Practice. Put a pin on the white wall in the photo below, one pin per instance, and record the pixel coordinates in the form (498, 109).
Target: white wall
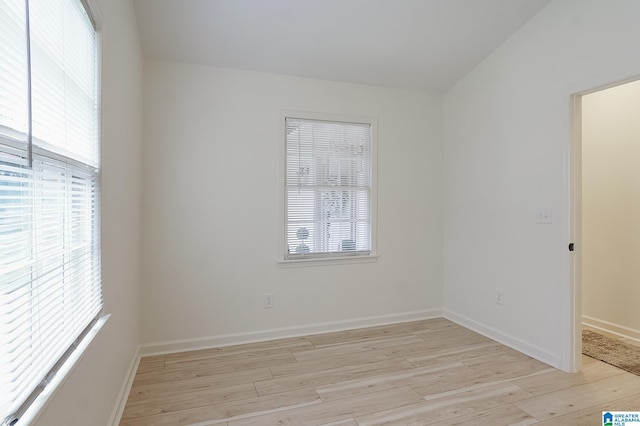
(611, 208)
(88, 396)
(213, 203)
(507, 127)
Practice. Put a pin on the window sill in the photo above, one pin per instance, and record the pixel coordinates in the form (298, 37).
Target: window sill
(326, 261)
(38, 406)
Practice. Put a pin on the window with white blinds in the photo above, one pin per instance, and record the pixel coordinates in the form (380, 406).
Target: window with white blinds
(50, 278)
(328, 188)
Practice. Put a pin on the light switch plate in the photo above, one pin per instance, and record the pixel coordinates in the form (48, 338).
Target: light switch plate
(544, 216)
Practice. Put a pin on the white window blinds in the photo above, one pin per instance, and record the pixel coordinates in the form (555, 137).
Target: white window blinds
(13, 70)
(328, 188)
(50, 287)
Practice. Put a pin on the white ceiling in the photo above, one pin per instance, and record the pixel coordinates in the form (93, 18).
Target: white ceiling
(409, 44)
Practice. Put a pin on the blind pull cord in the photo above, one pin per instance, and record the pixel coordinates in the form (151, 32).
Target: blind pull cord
(29, 96)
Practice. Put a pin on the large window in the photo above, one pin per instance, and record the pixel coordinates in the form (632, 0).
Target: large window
(50, 288)
(328, 188)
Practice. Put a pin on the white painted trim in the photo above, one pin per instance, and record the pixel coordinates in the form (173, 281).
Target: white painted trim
(125, 389)
(282, 260)
(507, 340)
(35, 410)
(587, 83)
(281, 333)
(609, 327)
(327, 261)
(572, 359)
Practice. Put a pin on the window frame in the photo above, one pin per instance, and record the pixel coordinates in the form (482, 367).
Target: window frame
(333, 257)
(33, 406)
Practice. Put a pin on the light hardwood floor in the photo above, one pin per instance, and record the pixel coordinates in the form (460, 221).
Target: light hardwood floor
(418, 373)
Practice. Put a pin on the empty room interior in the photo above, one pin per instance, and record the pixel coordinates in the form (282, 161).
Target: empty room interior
(471, 146)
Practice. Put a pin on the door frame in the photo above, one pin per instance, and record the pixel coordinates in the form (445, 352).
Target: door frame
(575, 233)
(575, 222)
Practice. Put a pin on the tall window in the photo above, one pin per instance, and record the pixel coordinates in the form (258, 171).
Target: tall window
(328, 188)
(50, 288)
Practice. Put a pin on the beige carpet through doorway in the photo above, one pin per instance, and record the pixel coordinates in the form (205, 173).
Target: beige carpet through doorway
(611, 351)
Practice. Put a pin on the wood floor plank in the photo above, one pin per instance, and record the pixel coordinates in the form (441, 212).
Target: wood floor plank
(334, 375)
(239, 354)
(360, 346)
(370, 333)
(335, 411)
(502, 357)
(187, 400)
(222, 358)
(446, 339)
(557, 380)
(348, 388)
(291, 343)
(150, 366)
(455, 354)
(443, 409)
(593, 415)
(475, 379)
(505, 415)
(349, 359)
(153, 359)
(221, 413)
(437, 324)
(580, 397)
(210, 367)
(155, 390)
(347, 422)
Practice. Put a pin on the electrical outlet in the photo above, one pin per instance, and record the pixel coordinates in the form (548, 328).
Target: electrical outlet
(267, 300)
(499, 296)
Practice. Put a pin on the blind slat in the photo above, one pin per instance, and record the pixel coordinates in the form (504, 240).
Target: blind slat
(13, 68)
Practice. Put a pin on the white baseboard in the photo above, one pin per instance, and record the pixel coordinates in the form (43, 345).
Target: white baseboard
(123, 395)
(282, 333)
(507, 340)
(609, 327)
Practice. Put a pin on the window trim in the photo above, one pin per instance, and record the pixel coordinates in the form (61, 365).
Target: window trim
(34, 408)
(328, 258)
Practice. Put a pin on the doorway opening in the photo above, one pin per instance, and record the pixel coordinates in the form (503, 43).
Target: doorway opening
(606, 213)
